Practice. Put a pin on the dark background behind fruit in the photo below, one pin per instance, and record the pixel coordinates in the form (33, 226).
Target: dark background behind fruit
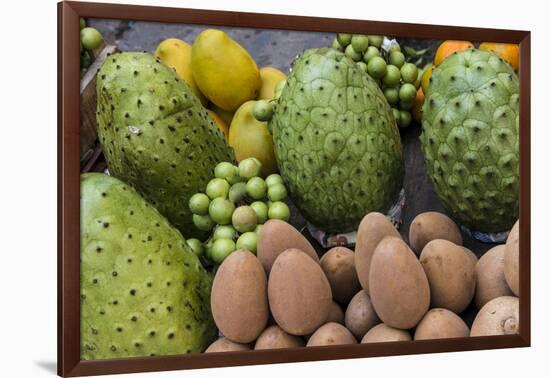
(278, 48)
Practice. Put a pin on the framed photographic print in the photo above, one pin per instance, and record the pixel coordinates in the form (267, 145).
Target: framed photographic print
(240, 188)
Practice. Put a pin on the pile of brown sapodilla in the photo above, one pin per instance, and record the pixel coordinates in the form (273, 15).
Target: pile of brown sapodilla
(388, 293)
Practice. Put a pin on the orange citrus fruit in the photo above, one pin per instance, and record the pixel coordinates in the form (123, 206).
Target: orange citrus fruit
(220, 123)
(507, 51)
(449, 47)
(425, 83)
(417, 106)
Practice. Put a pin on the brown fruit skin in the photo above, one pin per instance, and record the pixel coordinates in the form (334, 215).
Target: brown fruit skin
(225, 345)
(299, 293)
(360, 315)
(399, 289)
(440, 323)
(383, 333)
(275, 237)
(239, 297)
(490, 281)
(372, 229)
(451, 274)
(500, 316)
(331, 334)
(335, 314)
(511, 259)
(273, 337)
(432, 225)
(339, 267)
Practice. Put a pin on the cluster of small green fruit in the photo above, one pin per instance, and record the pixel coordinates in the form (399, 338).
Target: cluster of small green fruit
(398, 79)
(90, 39)
(234, 205)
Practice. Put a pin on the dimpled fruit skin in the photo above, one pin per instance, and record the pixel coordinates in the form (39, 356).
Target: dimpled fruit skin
(336, 142)
(470, 139)
(156, 135)
(143, 291)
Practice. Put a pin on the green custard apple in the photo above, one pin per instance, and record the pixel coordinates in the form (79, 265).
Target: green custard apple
(143, 291)
(155, 134)
(336, 142)
(470, 139)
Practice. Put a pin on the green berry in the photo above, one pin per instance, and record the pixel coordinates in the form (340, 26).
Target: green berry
(376, 40)
(355, 55)
(237, 192)
(221, 248)
(392, 77)
(371, 52)
(392, 95)
(196, 246)
(258, 229)
(203, 222)
(343, 39)
(256, 188)
(405, 118)
(397, 58)
(276, 192)
(409, 73)
(260, 208)
(225, 170)
(406, 105)
(336, 45)
(244, 219)
(220, 210)
(407, 92)
(248, 241)
(377, 67)
(263, 110)
(360, 42)
(91, 38)
(198, 203)
(250, 167)
(279, 210)
(217, 187)
(363, 66)
(224, 232)
(273, 178)
(82, 23)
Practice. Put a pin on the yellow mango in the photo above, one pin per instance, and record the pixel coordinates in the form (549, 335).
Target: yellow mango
(220, 123)
(270, 77)
(223, 70)
(251, 138)
(227, 116)
(176, 53)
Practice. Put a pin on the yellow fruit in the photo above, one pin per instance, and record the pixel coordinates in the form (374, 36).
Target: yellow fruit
(449, 47)
(426, 78)
(251, 138)
(223, 70)
(176, 53)
(220, 123)
(507, 51)
(223, 114)
(270, 77)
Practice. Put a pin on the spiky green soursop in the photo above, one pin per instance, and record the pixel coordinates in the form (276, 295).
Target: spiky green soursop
(470, 139)
(155, 134)
(336, 142)
(143, 291)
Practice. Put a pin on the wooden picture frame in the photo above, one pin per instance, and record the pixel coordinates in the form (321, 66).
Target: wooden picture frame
(69, 363)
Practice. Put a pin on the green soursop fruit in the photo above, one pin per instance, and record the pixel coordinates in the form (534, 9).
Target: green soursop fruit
(156, 135)
(336, 142)
(470, 139)
(143, 291)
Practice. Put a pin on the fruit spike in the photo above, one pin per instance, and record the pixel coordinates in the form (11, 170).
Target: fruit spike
(156, 135)
(470, 139)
